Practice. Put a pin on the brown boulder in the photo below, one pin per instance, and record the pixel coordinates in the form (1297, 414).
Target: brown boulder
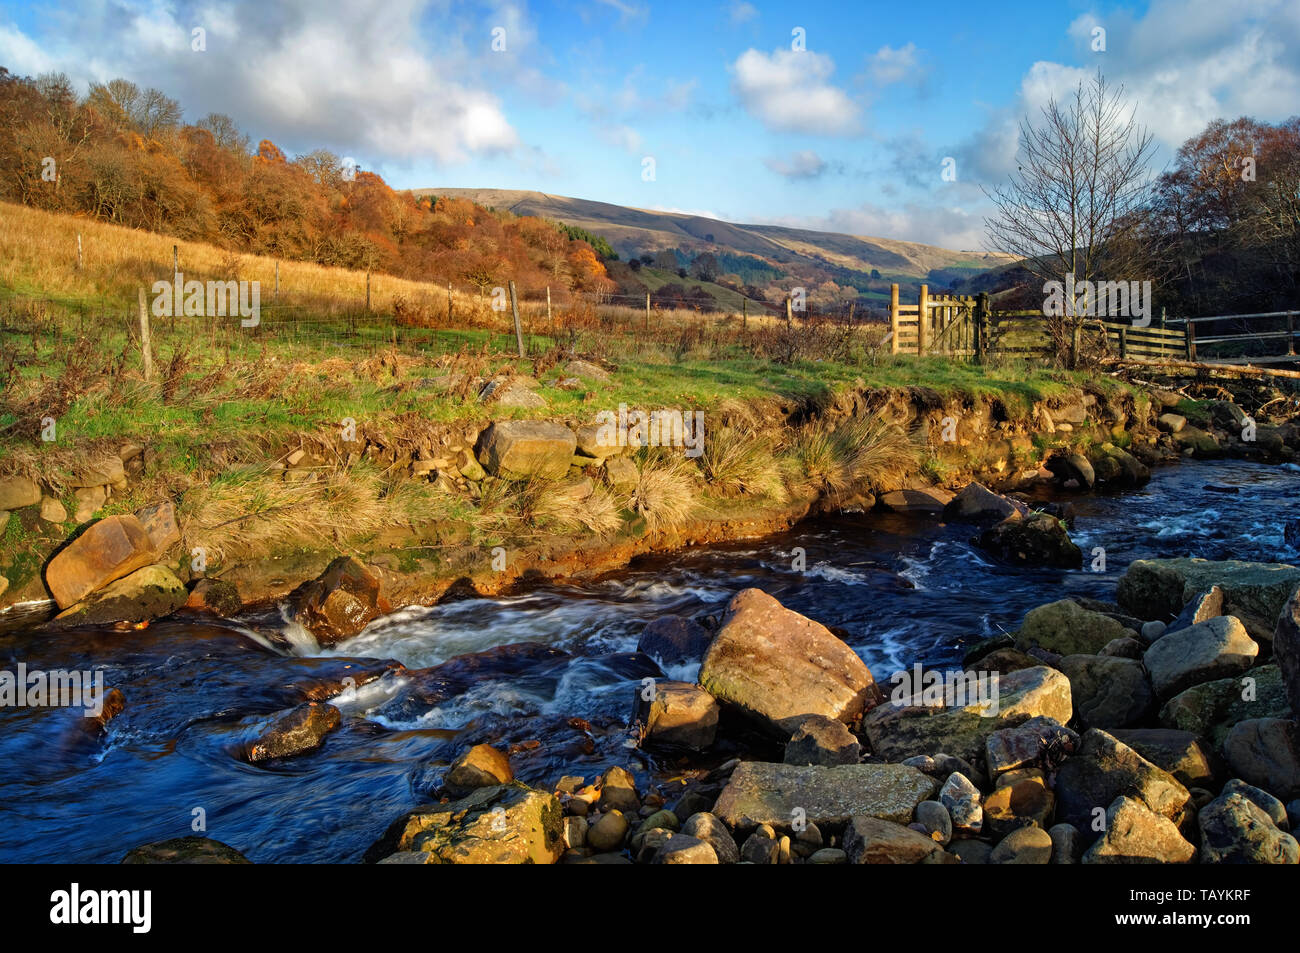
(108, 550)
(339, 603)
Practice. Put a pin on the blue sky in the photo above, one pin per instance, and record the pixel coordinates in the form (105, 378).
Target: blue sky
(849, 133)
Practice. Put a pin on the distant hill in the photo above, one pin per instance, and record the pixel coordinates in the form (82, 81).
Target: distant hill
(799, 251)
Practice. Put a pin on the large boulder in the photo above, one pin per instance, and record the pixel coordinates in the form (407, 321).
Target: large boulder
(763, 793)
(1118, 469)
(677, 713)
(899, 730)
(1103, 769)
(508, 824)
(929, 501)
(674, 639)
(1159, 588)
(340, 602)
(1266, 753)
(1038, 742)
(482, 766)
(1137, 835)
(1216, 648)
(159, 521)
(1067, 628)
(871, 840)
(519, 449)
(148, 593)
(297, 731)
(1236, 831)
(185, 850)
(822, 740)
(976, 503)
(1181, 753)
(1211, 709)
(1286, 647)
(1107, 692)
(777, 666)
(1038, 539)
(114, 547)
(17, 492)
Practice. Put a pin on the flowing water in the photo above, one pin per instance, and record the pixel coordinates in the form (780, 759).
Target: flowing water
(900, 590)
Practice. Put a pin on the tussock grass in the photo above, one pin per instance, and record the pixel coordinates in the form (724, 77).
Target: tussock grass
(737, 461)
(665, 494)
(862, 453)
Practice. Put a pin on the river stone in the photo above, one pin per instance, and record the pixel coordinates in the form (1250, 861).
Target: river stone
(52, 511)
(17, 492)
(1104, 769)
(1072, 466)
(598, 441)
(1218, 648)
(1137, 835)
(1004, 662)
(1117, 468)
(1235, 830)
(1028, 744)
(764, 793)
(829, 855)
(1286, 647)
(777, 666)
(148, 593)
(934, 817)
(520, 449)
(1265, 752)
(871, 840)
(107, 471)
(1201, 608)
(1067, 628)
(340, 602)
(507, 824)
(1171, 423)
(660, 820)
(1153, 630)
(1107, 692)
(297, 731)
(113, 547)
(159, 521)
(1178, 752)
(185, 850)
(1211, 709)
(89, 500)
(1164, 586)
(822, 740)
(609, 831)
(761, 847)
(673, 639)
(1024, 845)
(1066, 843)
(901, 731)
(1038, 539)
(1023, 801)
(713, 832)
(1266, 802)
(482, 766)
(1126, 647)
(618, 790)
(976, 503)
(214, 595)
(940, 766)
(684, 849)
(962, 800)
(1202, 445)
(929, 501)
(678, 713)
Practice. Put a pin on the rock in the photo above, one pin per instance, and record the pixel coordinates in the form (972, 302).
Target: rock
(673, 639)
(216, 596)
(971, 851)
(655, 821)
(901, 731)
(1293, 812)
(1265, 752)
(1035, 540)
(976, 503)
(761, 847)
(1171, 423)
(1127, 647)
(1201, 608)
(159, 522)
(1152, 630)
(677, 713)
(1020, 799)
(1066, 843)
(17, 492)
(1066, 628)
(519, 449)
(575, 832)
(1107, 692)
(4, 585)
(107, 471)
(829, 855)
(148, 593)
(921, 502)
(621, 473)
(1251, 590)
(512, 392)
(1218, 648)
(1197, 442)
(1072, 466)
(763, 793)
(340, 602)
(940, 766)
(1116, 468)
(1266, 802)
(683, 849)
(1211, 709)
(712, 831)
(822, 740)
(1178, 752)
(1005, 661)
(482, 766)
(1104, 769)
(962, 800)
(580, 368)
(296, 731)
(1038, 742)
(871, 840)
(609, 831)
(185, 850)
(114, 547)
(777, 666)
(89, 500)
(1286, 647)
(508, 824)
(1024, 845)
(1235, 830)
(934, 817)
(1136, 835)
(52, 511)
(618, 791)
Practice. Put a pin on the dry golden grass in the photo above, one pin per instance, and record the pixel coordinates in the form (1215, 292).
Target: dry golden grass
(738, 461)
(665, 493)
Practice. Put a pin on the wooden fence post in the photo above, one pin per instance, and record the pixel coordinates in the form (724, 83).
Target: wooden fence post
(78, 251)
(367, 289)
(922, 319)
(1191, 340)
(893, 319)
(1123, 342)
(176, 262)
(277, 278)
(789, 312)
(145, 350)
(744, 313)
(548, 304)
(1290, 332)
(519, 331)
(981, 325)
(449, 302)
(647, 310)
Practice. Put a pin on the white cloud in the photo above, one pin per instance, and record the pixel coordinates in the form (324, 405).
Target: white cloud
(943, 225)
(624, 137)
(805, 164)
(889, 65)
(788, 90)
(743, 12)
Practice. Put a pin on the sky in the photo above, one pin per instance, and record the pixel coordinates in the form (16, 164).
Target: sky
(831, 116)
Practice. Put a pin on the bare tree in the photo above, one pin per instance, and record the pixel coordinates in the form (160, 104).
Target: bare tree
(1073, 207)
